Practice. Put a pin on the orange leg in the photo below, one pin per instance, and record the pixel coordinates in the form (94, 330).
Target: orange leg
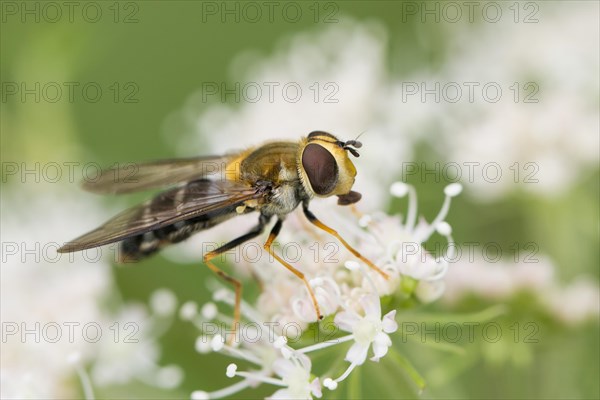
(268, 247)
(311, 217)
(236, 283)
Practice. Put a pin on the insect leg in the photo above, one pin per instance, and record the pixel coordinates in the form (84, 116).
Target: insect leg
(257, 230)
(311, 217)
(268, 247)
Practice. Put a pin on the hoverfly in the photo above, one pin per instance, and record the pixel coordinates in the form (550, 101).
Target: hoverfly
(272, 179)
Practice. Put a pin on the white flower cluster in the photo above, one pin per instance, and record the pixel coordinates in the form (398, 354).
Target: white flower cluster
(346, 291)
(135, 356)
(41, 290)
(54, 324)
(547, 115)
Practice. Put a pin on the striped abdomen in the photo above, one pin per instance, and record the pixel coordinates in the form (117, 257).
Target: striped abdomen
(137, 247)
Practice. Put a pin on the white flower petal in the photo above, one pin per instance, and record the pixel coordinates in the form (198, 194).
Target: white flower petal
(381, 344)
(357, 354)
(389, 324)
(371, 304)
(440, 271)
(346, 320)
(379, 350)
(281, 394)
(383, 339)
(315, 388)
(421, 231)
(328, 302)
(280, 342)
(286, 353)
(304, 360)
(304, 310)
(429, 291)
(283, 367)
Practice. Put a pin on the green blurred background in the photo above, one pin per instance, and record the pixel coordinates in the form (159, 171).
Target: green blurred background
(165, 52)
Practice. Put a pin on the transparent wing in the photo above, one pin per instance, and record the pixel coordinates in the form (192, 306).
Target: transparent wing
(133, 177)
(182, 203)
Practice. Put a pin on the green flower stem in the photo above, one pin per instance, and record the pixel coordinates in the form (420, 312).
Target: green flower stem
(479, 316)
(407, 366)
(355, 386)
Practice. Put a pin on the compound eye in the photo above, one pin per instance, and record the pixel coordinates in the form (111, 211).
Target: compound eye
(321, 168)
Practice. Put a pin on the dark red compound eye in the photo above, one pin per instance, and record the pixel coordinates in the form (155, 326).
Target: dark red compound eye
(321, 168)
